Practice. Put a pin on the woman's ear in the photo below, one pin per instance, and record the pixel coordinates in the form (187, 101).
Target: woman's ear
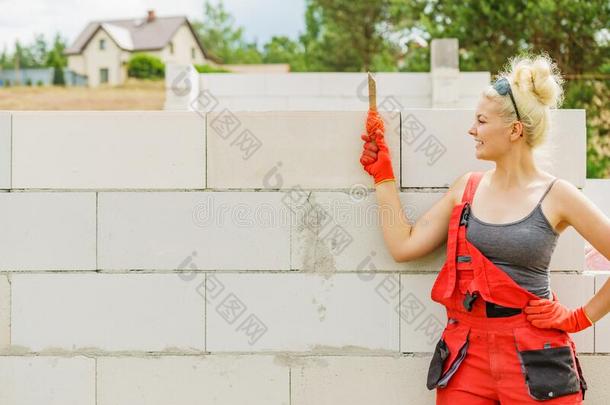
(517, 129)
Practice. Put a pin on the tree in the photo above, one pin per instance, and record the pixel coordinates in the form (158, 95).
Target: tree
(22, 57)
(281, 49)
(219, 35)
(566, 29)
(359, 29)
(38, 50)
(56, 59)
(5, 59)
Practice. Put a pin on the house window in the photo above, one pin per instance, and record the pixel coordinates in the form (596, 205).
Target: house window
(171, 48)
(103, 75)
(102, 44)
(192, 53)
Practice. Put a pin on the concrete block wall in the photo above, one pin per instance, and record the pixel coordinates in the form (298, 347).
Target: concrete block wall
(338, 91)
(234, 257)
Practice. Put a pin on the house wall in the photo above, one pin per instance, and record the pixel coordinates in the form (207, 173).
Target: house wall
(76, 63)
(110, 58)
(183, 41)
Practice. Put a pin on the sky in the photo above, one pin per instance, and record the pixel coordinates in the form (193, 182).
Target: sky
(22, 19)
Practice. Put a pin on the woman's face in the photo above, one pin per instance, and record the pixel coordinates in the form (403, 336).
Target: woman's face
(489, 129)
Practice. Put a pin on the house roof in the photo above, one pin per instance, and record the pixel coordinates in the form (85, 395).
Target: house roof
(136, 34)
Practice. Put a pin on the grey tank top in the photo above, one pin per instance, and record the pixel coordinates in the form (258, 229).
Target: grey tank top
(521, 248)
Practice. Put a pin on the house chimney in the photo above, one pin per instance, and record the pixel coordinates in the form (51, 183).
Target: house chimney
(151, 16)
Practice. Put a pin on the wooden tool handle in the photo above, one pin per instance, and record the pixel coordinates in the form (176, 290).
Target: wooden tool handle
(372, 93)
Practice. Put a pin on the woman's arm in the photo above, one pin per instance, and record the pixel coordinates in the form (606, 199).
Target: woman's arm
(591, 223)
(405, 241)
(408, 242)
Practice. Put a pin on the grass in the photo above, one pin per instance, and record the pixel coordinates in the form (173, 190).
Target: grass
(133, 95)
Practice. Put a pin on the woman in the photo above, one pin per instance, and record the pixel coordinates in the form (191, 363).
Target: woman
(506, 339)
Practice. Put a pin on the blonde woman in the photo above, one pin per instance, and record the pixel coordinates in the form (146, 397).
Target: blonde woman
(506, 340)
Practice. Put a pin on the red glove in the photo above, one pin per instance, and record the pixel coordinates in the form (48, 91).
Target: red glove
(375, 156)
(544, 313)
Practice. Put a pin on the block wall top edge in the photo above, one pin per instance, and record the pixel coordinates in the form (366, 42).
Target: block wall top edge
(365, 110)
(320, 74)
(100, 112)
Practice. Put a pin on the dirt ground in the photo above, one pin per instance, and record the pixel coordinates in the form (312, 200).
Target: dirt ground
(133, 95)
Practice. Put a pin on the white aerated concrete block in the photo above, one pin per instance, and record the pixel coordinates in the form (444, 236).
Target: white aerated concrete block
(602, 326)
(5, 312)
(598, 191)
(108, 149)
(279, 150)
(26, 380)
(110, 312)
(573, 291)
(193, 230)
(421, 320)
(569, 251)
(5, 150)
(360, 380)
(47, 231)
(309, 84)
(437, 148)
(314, 312)
(595, 370)
(210, 380)
(231, 84)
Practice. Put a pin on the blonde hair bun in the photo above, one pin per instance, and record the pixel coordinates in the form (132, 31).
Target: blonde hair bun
(540, 76)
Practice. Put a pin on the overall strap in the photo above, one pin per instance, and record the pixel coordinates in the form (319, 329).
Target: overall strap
(473, 182)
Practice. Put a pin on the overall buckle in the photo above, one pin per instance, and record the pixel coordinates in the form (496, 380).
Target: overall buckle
(469, 300)
(465, 215)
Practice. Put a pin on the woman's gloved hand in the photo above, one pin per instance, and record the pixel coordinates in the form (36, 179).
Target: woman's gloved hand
(375, 157)
(544, 313)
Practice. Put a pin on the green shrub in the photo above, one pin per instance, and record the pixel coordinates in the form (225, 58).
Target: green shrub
(145, 66)
(210, 69)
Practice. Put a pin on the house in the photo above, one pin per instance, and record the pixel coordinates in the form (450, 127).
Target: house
(101, 51)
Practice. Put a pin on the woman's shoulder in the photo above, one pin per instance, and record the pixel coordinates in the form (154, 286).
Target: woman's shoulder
(459, 185)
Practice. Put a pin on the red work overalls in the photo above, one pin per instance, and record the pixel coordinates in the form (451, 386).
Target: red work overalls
(489, 353)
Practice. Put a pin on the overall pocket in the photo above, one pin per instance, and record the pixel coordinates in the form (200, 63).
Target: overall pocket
(547, 362)
(449, 353)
